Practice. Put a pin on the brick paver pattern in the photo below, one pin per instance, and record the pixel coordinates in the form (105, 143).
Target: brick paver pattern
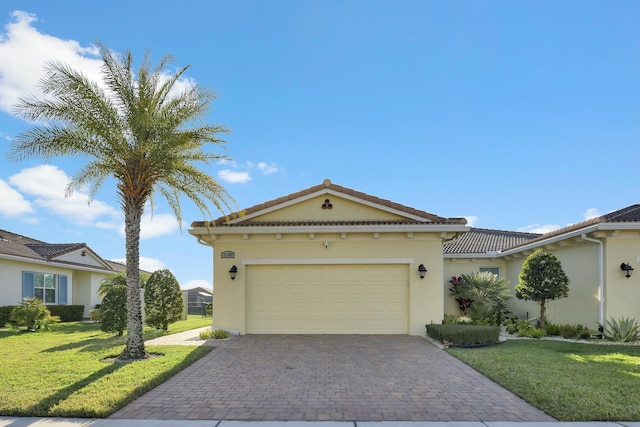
(330, 377)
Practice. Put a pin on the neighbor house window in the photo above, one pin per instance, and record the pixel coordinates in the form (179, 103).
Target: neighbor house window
(494, 270)
(48, 287)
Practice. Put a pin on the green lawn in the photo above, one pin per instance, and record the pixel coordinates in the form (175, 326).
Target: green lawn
(569, 381)
(65, 373)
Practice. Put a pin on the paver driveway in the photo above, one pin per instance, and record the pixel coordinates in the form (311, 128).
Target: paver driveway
(330, 377)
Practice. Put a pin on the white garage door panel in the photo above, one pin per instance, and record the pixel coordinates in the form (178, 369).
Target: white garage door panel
(349, 299)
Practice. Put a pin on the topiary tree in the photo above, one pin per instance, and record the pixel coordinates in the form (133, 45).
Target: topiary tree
(542, 279)
(162, 300)
(113, 310)
(31, 313)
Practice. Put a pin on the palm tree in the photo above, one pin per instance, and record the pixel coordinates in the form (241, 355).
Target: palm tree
(140, 129)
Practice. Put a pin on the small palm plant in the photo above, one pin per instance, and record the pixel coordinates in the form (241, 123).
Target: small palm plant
(31, 313)
(488, 294)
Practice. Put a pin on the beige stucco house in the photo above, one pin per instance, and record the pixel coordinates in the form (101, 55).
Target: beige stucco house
(328, 260)
(332, 260)
(67, 273)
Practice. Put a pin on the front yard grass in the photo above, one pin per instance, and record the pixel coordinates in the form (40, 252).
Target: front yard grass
(66, 372)
(569, 381)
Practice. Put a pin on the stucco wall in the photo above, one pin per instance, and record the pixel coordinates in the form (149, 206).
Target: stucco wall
(425, 295)
(11, 279)
(86, 286)
(341, 208)
(622, 295)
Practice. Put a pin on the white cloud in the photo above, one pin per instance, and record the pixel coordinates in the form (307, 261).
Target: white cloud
(13, 204)
(591, 213)
(537, 228)
(150, 225)
(227, 162)
(471, 220)
(234, 177)
(48, 185)
(146, 264)
(24, 52)
(267, 169)
(190, 284)
(157, 225)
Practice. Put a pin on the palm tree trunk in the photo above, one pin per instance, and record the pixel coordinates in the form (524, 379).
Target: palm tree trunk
(135, 341)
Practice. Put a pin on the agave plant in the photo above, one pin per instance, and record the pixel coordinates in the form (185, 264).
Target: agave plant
(624, 329)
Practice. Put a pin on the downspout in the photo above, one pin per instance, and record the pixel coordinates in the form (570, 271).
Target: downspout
(600, 277)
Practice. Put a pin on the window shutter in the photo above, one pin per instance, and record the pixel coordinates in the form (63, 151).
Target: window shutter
(62, 289)
(27, 284)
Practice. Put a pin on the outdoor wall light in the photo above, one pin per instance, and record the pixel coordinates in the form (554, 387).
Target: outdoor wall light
(422, 270)
(232, 272)
(628, 270)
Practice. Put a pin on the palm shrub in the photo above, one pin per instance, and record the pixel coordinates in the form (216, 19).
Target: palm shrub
(625, 330)
(163, 302)
(31, 313)
(488, 294)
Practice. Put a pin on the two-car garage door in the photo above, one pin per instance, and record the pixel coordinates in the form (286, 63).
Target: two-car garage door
(327, 299)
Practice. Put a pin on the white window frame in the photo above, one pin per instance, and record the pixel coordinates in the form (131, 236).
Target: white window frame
(491, 270)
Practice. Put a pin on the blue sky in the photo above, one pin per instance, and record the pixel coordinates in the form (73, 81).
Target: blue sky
(517, 115)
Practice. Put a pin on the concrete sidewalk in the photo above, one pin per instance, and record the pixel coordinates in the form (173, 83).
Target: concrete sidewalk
(86, 422)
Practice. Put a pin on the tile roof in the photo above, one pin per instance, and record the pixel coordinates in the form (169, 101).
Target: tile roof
(313, 223)
(629, 214)
(26, 247)
(328, 185)
(480, 241)
(48, 251)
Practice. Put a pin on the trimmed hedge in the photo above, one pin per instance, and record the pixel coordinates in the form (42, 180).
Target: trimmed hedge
(464, 334)
(67, 313)
(5, 314)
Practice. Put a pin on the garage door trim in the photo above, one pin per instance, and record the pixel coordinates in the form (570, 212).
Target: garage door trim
(327, 261)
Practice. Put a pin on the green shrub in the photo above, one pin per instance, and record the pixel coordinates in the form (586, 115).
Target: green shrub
(452, 319)
(524, 328)
(464, 334)
(94, 314)
(113, 310)
(33, 314)
(624, 330)
(568, 331)
(67, 313)
(482, 296)
(208, 309)
(162, 300)
(5, 314)
(219, 334)
(552, 329)
(216, 334)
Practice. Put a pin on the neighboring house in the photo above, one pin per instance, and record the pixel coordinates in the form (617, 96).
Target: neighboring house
(67, 273)
(591, 252)
(329, 259)
(197, 299)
